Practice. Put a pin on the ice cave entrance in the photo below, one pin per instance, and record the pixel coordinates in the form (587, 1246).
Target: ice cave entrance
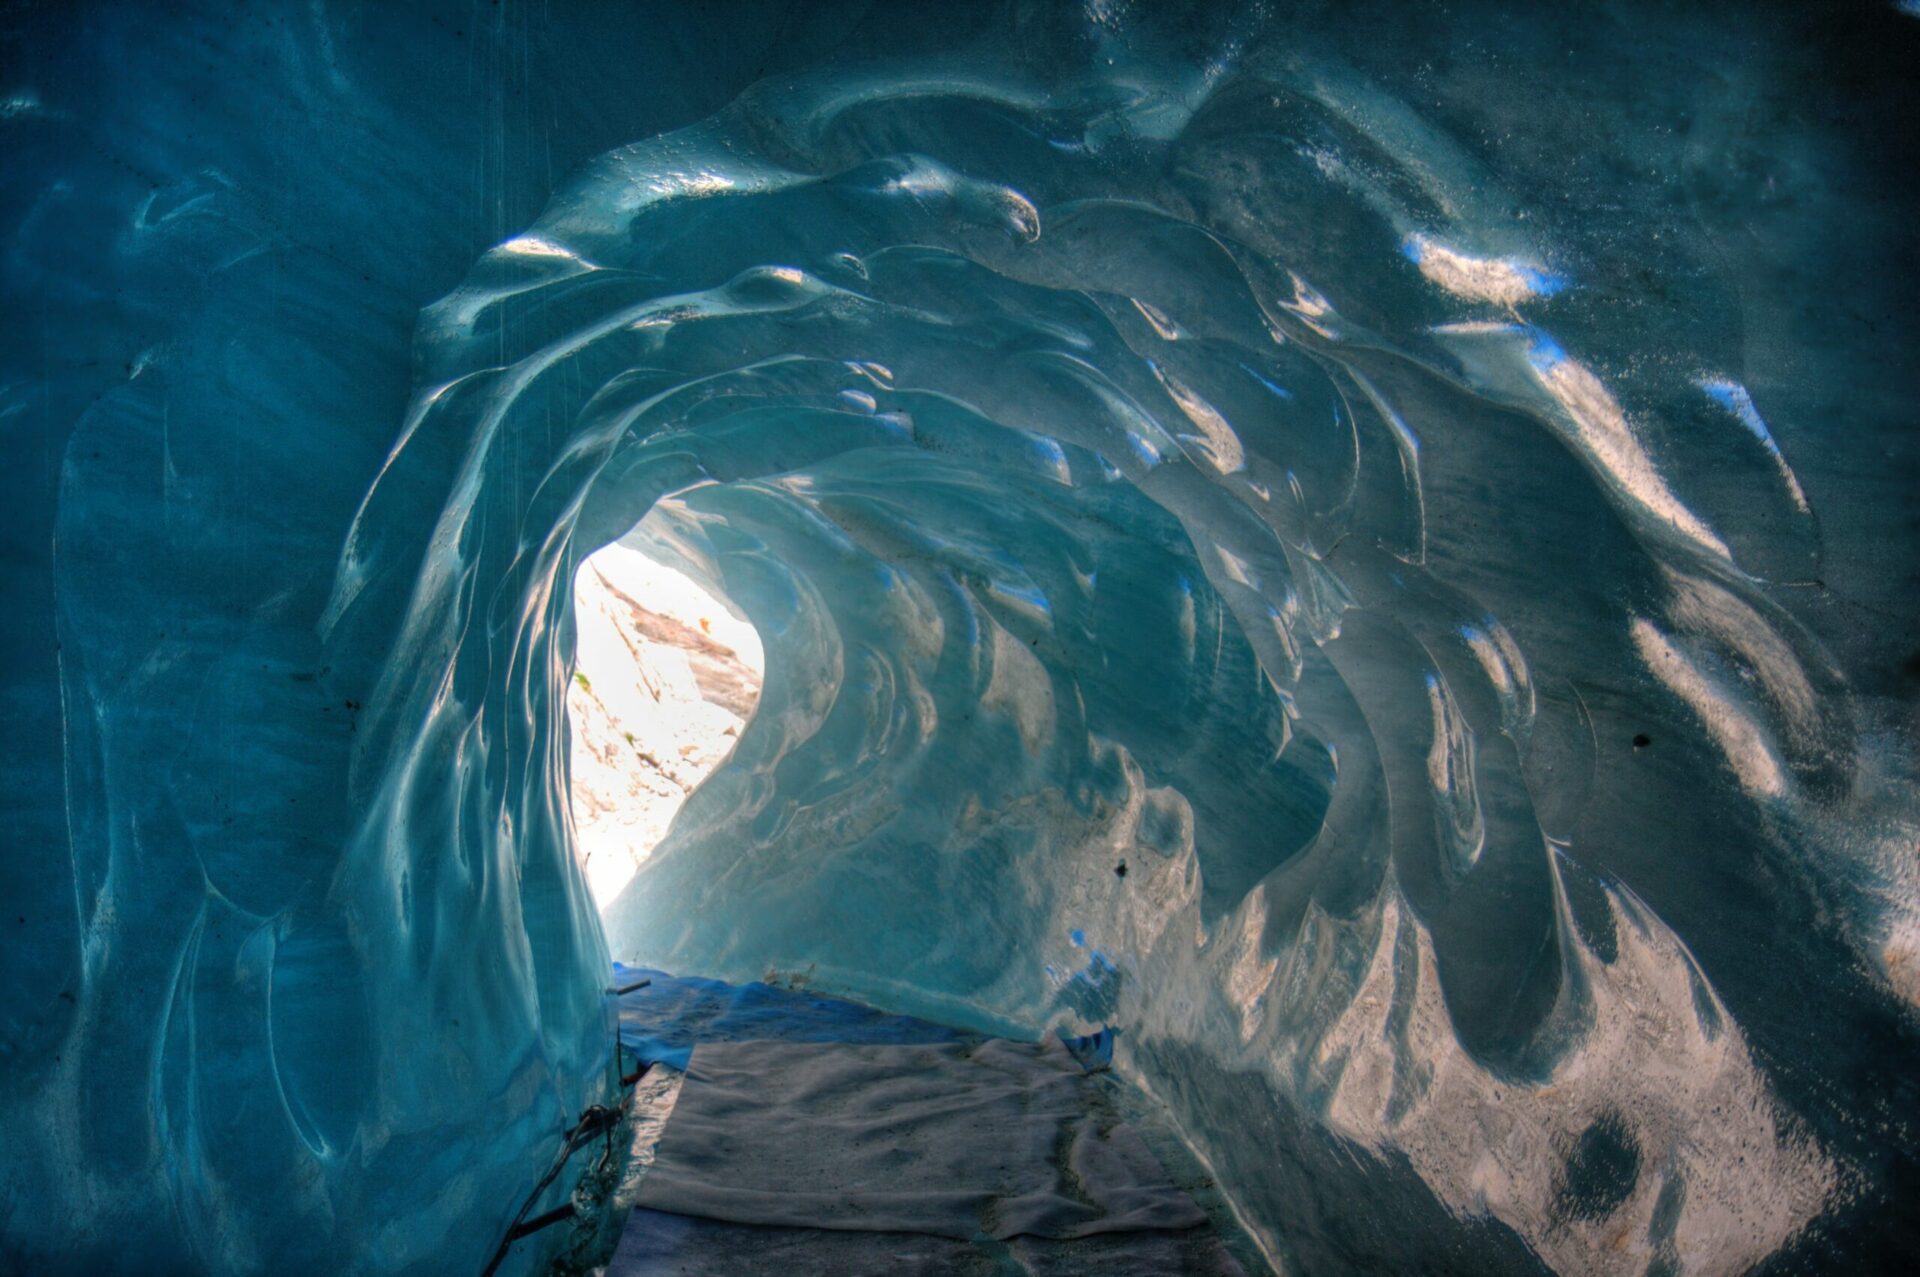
(665, 678)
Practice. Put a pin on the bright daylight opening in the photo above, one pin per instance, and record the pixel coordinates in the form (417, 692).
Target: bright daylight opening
(664, 681)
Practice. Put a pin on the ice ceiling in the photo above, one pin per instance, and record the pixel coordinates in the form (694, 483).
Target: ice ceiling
(1372, 550)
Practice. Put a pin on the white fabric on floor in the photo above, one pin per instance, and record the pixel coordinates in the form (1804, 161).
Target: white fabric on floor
(960, 1140)
(661, 1245)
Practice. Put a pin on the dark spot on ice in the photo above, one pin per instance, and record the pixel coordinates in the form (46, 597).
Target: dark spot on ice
(1120, 870)
(1641, 740)
(1601, 1172)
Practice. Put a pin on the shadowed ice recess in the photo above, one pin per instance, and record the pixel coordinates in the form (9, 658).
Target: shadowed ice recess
(1380, 566)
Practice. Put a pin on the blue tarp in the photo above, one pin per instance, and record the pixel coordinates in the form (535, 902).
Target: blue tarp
(663, 1022)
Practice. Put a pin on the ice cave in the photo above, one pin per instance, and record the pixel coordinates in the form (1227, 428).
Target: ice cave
(1034, 637)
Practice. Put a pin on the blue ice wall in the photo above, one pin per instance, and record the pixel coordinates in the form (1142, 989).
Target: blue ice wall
(1372, 549)
(299, 976)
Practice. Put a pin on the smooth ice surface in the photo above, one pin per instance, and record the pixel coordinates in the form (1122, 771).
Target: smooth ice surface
(1371, 548)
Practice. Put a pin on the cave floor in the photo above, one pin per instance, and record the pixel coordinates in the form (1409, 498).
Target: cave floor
(780, 1131)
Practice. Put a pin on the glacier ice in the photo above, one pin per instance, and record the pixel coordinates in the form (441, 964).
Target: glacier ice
(1370, 548)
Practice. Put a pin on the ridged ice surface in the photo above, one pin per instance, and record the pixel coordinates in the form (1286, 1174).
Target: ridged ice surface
(1373, 557)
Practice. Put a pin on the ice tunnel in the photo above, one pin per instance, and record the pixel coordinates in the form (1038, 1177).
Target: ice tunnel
(1371, 549)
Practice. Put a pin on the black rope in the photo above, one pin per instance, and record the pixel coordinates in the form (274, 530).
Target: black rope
(539, 1222)
(597, 1120)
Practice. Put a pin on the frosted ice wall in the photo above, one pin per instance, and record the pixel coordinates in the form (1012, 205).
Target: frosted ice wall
(1372, 551)
(299, 974)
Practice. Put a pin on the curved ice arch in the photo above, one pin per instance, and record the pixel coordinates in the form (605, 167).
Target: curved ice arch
(1086, 533)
